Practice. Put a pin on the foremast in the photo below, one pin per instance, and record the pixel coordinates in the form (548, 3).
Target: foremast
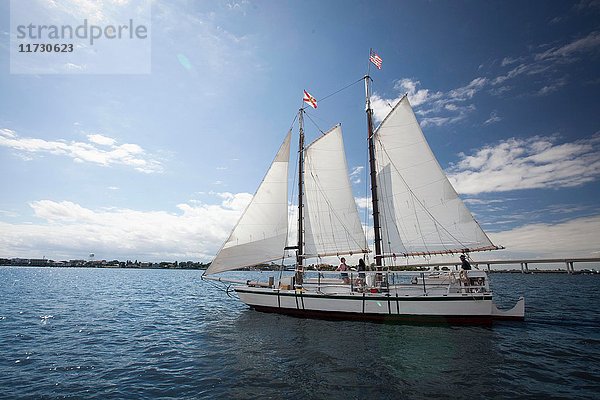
(373, 174)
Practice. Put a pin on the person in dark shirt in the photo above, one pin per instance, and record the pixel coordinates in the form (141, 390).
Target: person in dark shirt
(362, 267)
(464, 263)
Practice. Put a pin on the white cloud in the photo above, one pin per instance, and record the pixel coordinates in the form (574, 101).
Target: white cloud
(499, 91)
(493, 118)
(590, 42)
(575, 238)
(9, 214)
(516, 71)
(8, 133)
(440, 121)
(363, 202)
(69, 230)
(101, 139)
(510, 60)
(415, 96)
(239, 6)
(381, 107)
(439, 107)
(552, 87)
(546, 64)
(572, 238)
(237, 202)
(533, 163)
(587, 4)
(468, 91)
(555, 20)
(74, 67)
(356, 173)
(100, 150)
(483, 202)
(64, 211)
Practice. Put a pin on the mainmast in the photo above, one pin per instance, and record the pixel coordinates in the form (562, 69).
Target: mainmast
(373, 175)
(300, 251)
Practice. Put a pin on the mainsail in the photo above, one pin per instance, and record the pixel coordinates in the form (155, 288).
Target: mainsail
(261, 233)
(332, 224)
(421, 212)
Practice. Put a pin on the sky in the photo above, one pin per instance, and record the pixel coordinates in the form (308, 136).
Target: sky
(157, 160)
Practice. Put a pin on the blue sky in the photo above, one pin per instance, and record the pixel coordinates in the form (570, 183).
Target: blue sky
(159, 166)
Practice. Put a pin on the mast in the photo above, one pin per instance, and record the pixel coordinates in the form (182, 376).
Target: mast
(373, 175)
(300, 251)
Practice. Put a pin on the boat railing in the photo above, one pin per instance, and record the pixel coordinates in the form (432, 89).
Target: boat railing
(392, 281)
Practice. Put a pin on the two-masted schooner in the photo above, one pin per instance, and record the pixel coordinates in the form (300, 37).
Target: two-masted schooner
(415, 211)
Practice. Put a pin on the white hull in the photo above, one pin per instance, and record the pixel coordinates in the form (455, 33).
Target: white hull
(452, 308)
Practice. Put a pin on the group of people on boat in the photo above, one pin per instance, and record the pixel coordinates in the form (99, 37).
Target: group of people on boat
(343, 268)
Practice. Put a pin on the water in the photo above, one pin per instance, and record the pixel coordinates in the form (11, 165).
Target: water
(114, 333)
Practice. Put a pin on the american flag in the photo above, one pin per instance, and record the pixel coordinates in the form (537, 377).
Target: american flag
(375, 59)
(308, 99)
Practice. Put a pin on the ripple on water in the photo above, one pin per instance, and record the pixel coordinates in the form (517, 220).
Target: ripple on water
(100, 333)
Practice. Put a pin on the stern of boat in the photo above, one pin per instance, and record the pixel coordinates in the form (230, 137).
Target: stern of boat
(517, 313)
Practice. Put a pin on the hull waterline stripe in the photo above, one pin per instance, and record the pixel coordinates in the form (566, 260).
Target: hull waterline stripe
(383, 318)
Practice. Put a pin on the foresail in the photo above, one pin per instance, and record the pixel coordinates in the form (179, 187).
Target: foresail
(331, 223)
(261, 232)
(421, 212)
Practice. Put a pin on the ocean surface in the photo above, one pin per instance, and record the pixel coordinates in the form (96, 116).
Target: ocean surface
(149, 334)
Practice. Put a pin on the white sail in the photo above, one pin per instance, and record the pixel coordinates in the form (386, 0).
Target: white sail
(331, 222)
(260, 234)
(420, 211)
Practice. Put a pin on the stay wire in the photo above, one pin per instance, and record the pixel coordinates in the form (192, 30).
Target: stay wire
(334, 93)
(314, 123)
(415, 198)
(344, 88)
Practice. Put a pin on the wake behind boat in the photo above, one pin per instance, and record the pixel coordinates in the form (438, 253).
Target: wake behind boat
(416, 212)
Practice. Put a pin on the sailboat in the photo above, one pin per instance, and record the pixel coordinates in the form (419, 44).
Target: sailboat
(415, 211)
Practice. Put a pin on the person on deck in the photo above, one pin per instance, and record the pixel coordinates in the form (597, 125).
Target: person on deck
(361, 272)
(465, 265)
(343, 267)
(361, 267)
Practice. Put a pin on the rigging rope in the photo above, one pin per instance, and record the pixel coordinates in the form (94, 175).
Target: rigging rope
(224, 288)
(292, 125)
(336, 92)
(314, 123)
(331, 212)
(414, 197)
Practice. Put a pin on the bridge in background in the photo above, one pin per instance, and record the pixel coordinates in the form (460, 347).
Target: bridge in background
(568, 263)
